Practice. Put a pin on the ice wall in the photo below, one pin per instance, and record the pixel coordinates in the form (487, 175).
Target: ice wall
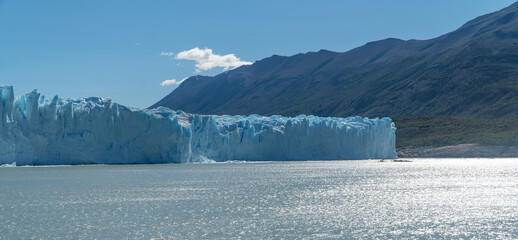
(38, 131)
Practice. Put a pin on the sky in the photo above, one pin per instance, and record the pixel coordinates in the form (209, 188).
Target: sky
(138, 51)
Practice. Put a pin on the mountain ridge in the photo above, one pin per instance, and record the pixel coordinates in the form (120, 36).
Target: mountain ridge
(470, 72)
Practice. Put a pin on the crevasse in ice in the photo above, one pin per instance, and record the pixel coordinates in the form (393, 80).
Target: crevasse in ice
(39, 131)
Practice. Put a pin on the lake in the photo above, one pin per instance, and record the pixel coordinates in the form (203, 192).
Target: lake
(422, 199)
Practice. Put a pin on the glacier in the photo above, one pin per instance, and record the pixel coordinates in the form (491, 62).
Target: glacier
(39, 131)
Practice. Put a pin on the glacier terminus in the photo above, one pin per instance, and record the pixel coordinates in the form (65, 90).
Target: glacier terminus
(39, 131)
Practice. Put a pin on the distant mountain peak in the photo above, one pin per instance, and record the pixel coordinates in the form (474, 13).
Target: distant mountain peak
(472, 71)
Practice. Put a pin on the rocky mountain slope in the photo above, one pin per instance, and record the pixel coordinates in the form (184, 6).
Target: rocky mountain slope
(470, 72)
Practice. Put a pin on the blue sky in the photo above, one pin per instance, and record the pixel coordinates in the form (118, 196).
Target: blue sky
(126, 49)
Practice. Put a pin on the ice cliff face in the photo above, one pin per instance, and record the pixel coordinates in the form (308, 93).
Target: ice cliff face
(37, 131)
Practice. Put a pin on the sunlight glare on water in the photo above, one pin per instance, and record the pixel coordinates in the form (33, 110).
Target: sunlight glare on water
(426, 198)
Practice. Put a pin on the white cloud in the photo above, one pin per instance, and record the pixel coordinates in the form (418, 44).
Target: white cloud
(206, 60)
(171, 82)
(167, 54)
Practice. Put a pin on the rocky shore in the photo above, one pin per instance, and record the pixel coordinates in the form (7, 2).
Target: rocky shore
(459, 151)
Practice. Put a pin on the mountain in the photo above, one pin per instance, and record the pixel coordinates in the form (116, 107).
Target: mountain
(470, 72)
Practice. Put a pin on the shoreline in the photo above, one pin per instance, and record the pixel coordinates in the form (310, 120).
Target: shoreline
(459, 151)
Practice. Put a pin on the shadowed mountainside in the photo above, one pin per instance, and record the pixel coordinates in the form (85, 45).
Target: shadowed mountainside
(471, 72)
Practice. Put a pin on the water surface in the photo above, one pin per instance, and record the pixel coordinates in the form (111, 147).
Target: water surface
(426, 198)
